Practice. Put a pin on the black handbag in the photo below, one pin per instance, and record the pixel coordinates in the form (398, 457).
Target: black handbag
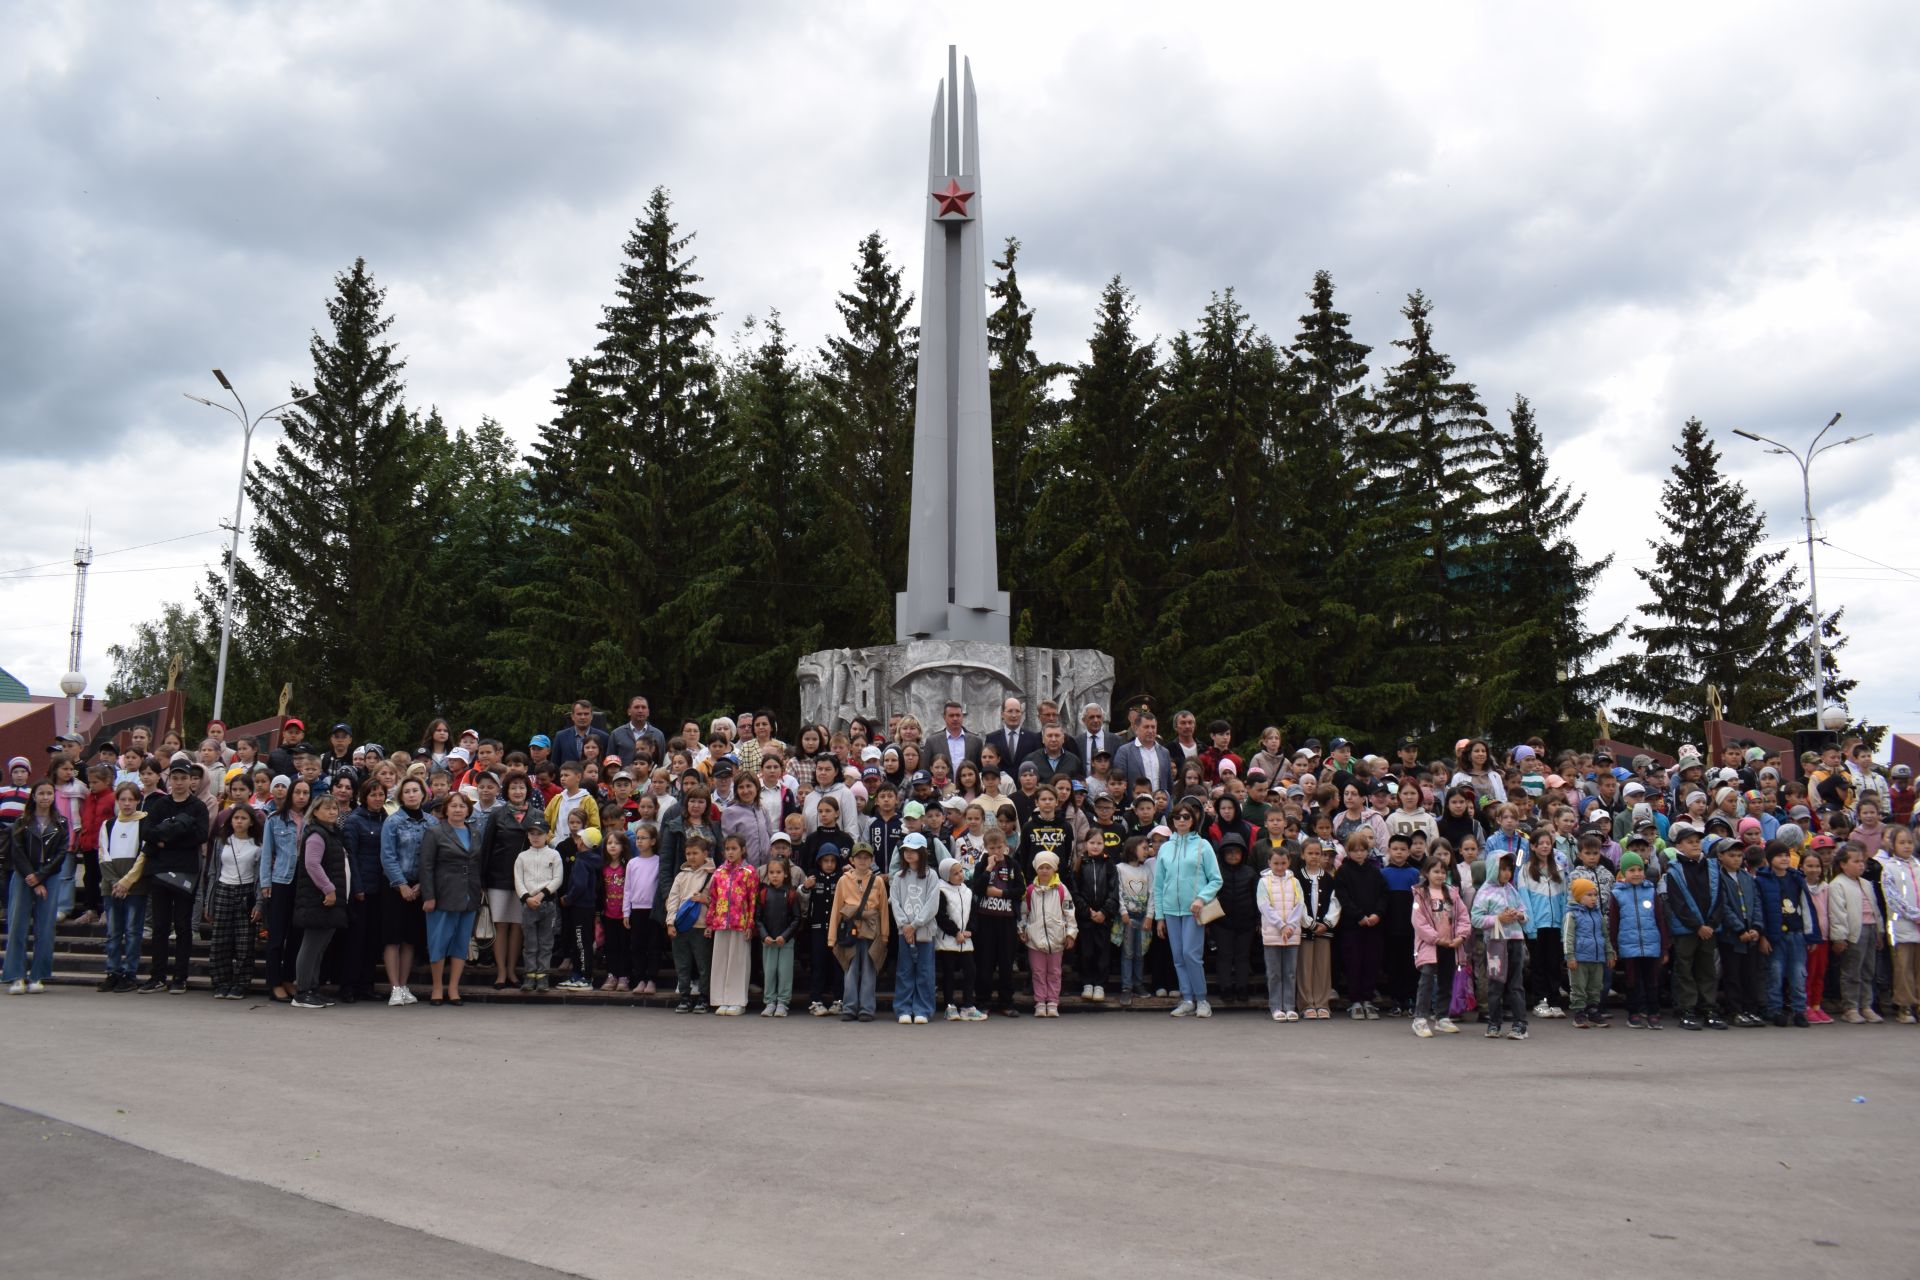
(184, 883)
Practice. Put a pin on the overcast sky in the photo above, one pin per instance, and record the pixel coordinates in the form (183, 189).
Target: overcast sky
(1630, 214)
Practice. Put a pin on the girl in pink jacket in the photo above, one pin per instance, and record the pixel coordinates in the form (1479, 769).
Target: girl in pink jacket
(1440, 925)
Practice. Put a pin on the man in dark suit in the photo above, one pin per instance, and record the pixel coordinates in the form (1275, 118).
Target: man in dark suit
(566, 743)
(1012, 742)
(1053, 758)
(1097, 737)
(957, 742)
(1145, 757)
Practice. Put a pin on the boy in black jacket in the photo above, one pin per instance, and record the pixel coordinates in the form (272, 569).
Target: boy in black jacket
(1234, 934)
(823, 969)
(998, 885)
(1096, 900)
(1362, 890)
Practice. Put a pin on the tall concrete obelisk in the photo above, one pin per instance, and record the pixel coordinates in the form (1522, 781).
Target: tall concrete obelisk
(951, 624)
(953, 573)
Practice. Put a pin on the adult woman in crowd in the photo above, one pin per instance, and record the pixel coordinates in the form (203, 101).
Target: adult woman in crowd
(746, 817)
(1186, 876)
(828, 782)
(1475, 767)
(450, 880)
(693, 814)
(279, 858)
(36, 860)
(403, 926)
(322, 882)
(505, 840)
(361, 829)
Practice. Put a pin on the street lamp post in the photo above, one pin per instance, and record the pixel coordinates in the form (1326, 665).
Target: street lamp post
(247, 426)
(1805, 460)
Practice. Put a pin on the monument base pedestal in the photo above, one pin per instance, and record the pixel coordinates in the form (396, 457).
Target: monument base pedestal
(920, 677)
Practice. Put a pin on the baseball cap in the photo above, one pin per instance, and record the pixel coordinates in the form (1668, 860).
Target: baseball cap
(540, 740)
(920, 778)
(342, 727)
(913, 809)
(293, 722)
(914, 840)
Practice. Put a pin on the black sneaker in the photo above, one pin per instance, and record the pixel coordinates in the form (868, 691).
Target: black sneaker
(1781, 1019)
(1493, 1031)
(125, 983)
(1688, 1022)
(1800, 1020)
(865, 1016)
(151, 984)
(685, 1006)
(109, 983)
(703, 1007)
(849, 1016)
(1714, 1023)
(1654, 1023)
(177, 988)
(306, 1000)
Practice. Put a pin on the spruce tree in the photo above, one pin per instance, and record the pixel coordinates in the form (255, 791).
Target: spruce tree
(1225, 626)
(867, 379)
(343, 518)
(1094, 531)
(1432, 458)
(1724, 612)
(1554, 676)
(1023, 412)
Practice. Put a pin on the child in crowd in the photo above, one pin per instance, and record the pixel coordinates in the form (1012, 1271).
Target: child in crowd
(1589, 952)
(859, 929)
(1440, 924)
(1363, 903)
(997, 888)
(915, 895)
(823, 972)
(1500, 913)
(953, 946)
(1900, 892)
(1402, 877)
(1856, 931)
(641, 890)
(1096, 891)
(580, 897)
(1135, 906)
(1813, 867)
(1637, 921)
(616, 849)
(1319, 918)
(126, 898)
(230, 902)
(732, 897)
(1739, 936)
(537, 875)
(1047, 927)
(1542, 884)
(1278, 900)
(1785, 910)
(777, 924)
(685, 915)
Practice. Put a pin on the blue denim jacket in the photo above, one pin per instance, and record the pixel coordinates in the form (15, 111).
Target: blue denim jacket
(280, 851)
(400, 846)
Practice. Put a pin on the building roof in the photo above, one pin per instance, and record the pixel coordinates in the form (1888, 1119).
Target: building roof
(11, 690)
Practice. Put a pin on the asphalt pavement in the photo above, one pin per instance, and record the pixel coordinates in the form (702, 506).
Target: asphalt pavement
(163, 1135)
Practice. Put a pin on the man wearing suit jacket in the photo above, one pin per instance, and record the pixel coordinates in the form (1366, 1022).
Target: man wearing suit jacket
(957, 742)
(1012, 742)
(1053, 758)
(1093, 718)
(1144, 757)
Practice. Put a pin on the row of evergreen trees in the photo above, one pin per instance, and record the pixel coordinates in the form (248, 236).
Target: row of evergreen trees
(1256, 528)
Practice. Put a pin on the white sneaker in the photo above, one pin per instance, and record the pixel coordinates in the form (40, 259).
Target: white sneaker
(1184, 1009)
(410, 997)
(1445, 1027)
(766, 1011)
(971, 1014)
(817, 1009)
(906, 1019)
(1099, 993)
(17, 989)
(1203, 1010)
(1542, 1010)
(397, 998)
(780, 1010)
(36, 988)
(919, 1019)
(1279, 1015)
(953, 1014)
(1358, 1012)
(1422, 1029)
(1086, 992)
(1293, 1015)
(1159, 993)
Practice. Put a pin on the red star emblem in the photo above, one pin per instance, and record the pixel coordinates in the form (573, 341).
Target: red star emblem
(952, 200)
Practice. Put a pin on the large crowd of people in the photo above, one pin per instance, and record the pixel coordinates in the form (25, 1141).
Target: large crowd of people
(702, 864)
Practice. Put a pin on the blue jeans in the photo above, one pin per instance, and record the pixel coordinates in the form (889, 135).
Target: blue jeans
(62, 889)
(24, 906)
(1787, 974)
(126, 917)
(858, 995)
(1188, 939)
(913, 980)
(1133, 953)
